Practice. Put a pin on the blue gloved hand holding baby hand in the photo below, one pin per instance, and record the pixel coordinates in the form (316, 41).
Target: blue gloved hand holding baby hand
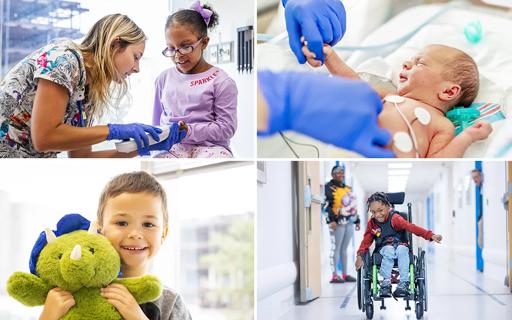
(318, 21)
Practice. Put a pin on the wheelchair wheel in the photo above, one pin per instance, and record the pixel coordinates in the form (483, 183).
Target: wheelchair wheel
(369, 310)
(424, 293)
(360, 293)
(419, 310)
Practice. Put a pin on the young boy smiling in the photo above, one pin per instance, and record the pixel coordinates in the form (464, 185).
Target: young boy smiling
(132, 214)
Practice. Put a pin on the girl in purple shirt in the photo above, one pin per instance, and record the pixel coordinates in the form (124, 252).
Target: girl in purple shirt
(195, 92)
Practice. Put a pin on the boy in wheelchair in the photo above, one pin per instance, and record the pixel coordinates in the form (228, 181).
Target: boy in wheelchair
(388, 228)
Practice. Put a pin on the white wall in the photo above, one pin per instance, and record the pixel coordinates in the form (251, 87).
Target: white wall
(6, 247)
(232, 15)
(361, 208)
(276, 270)
(495, 227)
(462, 228)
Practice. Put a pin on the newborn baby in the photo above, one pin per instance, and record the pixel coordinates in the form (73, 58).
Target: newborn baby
(431, 83)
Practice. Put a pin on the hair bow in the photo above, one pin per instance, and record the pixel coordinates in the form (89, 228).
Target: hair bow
(205, 13)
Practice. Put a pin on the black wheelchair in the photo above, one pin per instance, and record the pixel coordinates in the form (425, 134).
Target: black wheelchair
(368, 283)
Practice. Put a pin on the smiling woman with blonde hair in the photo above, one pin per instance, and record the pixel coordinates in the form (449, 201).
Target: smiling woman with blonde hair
(50, 100)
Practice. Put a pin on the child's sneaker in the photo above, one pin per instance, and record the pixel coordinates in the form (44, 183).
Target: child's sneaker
(402, 289)
(336, 279)
(385, 289)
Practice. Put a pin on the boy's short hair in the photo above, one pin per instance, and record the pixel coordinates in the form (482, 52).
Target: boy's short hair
(462, 69)
(133, 182)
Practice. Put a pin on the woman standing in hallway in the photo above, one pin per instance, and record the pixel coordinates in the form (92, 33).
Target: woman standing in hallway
(341, 218)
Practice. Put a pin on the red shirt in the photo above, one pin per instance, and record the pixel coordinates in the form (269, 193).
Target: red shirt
(398, 223)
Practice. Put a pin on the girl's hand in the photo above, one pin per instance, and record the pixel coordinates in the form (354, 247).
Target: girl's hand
(117, 295)
(359, 262)
(437, 238)
(57, 304)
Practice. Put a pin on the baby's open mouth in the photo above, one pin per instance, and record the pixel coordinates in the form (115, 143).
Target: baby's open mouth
(402, 77)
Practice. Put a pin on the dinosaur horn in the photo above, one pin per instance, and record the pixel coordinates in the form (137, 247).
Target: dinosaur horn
(93, 228)
(76, 254)
(50, 236)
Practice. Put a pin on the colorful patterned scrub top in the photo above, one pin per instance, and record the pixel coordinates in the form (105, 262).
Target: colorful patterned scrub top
(60, 62)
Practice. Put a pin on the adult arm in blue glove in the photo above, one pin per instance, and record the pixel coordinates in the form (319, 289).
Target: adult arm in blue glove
(333, 110)
(175, 136)
(135, 131)
(319, 21)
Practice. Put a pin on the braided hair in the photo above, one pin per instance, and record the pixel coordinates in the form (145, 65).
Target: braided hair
(378, 196)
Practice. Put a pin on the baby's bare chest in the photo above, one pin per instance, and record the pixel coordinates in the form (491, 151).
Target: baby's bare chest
(401, 118)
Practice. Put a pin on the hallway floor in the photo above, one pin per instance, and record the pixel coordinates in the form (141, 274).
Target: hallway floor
(456, 290)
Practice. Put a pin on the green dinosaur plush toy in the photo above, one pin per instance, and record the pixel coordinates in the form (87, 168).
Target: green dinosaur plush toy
(81, 262)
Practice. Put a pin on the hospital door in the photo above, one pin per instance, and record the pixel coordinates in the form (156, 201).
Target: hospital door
(309, 212)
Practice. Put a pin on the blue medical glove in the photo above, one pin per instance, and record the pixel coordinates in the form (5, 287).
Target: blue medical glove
(338, 111)
(135, 131)
(175, 136)
(319, 21)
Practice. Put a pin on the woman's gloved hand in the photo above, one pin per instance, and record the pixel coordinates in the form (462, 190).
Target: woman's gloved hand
(135, 131)
(175, 136)
(338, 111)
(319, 21)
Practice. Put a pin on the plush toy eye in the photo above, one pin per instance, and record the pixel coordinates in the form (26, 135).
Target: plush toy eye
(92, 250)
(60, 256)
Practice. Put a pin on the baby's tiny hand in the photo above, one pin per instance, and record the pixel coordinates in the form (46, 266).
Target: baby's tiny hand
(479, 131)
(437, 238)
(311, 57)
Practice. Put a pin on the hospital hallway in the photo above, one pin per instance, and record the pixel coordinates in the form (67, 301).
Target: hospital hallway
(455, 289)
(465, 206)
